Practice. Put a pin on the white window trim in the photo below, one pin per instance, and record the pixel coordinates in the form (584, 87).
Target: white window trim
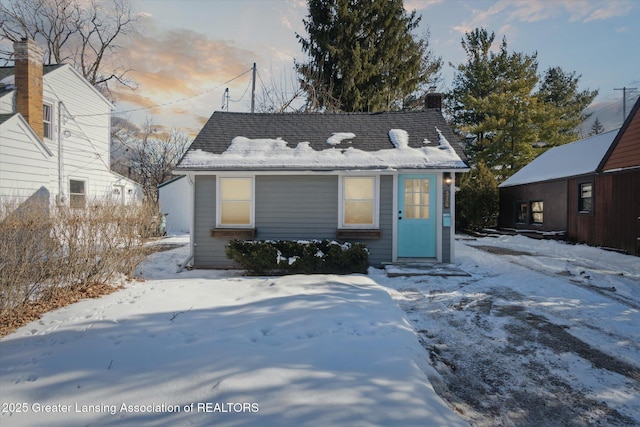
(376, 203)
(50, 123)
(219, 202)
(86, 189)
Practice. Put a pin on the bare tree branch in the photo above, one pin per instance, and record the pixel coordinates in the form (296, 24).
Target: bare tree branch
(83, 33)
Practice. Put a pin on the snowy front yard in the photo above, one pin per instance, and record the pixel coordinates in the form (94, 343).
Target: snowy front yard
(548, 336)
(277, 351)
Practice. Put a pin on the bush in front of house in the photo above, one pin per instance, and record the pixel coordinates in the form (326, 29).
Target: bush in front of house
(298, 257)
(47, 251)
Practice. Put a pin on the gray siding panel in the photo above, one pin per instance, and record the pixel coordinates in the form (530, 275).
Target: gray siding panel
(288, 208)
(306, 207)
(446, 244)
(380, 249)
(296, 207)
(208, 252)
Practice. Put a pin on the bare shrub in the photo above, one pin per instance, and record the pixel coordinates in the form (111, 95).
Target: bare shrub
(46, 249)
(26, 250)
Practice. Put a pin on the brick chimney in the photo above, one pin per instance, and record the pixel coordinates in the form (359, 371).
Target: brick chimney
(433, 101)
(28, 82)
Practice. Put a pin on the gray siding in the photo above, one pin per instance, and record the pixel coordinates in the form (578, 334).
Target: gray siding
(208, 252)
(296, 207)
(288, 208)
(380, 250)
(446, 244)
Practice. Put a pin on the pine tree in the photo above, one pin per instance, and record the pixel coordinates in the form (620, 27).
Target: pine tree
(565, 105)
(499, 101)
(596, 128)
(492, 100)
(477, 199)
(363, 56)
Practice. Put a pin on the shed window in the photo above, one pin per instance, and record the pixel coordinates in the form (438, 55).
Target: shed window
(537, 212)
(359, 202)
(235, 202)
(77, 193)
(585, 200)
(522, 212)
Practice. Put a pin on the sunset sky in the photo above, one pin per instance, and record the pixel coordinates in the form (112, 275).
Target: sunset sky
(187, 51)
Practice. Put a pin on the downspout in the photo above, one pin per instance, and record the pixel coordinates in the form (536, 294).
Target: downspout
(189, 261)
(61, 196)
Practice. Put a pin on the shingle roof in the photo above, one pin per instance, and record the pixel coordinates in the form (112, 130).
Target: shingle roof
(9, 71)
(371, 129)
(5, 117)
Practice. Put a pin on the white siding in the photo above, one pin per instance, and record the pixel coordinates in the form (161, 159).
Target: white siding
(81, 121)
(6, 103)
(176, 200)
(25, 165)
(83, 129)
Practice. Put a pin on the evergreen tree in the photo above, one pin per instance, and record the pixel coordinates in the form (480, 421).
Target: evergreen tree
(596, 128)
(363, 56)
(474, 80)
(499, 101)
(565, 105)
(477, 199)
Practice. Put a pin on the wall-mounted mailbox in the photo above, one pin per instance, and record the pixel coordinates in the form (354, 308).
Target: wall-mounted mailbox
(446, 220)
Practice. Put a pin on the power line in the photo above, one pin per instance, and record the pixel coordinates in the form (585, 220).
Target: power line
(170, 102)
(624, 90)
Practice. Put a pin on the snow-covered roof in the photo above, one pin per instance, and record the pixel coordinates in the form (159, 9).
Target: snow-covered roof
(245, 153)
(574, 159)
(381, 141)
(7, 79)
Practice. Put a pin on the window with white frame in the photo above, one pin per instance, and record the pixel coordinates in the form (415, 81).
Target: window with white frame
(235, 202)
(77, 193)
(585, 197)
(359, 202)
(47, 113)
(537, 212)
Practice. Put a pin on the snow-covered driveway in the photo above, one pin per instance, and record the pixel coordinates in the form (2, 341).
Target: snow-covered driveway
(210, 348)
(541, 333)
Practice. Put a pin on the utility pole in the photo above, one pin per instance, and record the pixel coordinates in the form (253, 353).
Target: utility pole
(253, 89)
(624, 90)
(225, 100)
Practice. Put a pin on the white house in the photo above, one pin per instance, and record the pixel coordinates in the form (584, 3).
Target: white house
(55, 134)
(176, 203)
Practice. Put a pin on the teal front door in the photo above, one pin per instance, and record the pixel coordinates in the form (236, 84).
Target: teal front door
(417, 216)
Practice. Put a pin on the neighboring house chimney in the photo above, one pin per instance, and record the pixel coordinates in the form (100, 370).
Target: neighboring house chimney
(433, 101)
(28, 82)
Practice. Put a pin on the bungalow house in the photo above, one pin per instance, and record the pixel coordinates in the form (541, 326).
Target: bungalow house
(55, 131)
(588, 190)
(386, 179)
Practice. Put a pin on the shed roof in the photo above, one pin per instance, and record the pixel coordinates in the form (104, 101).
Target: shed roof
(573, 159)
(411, 139)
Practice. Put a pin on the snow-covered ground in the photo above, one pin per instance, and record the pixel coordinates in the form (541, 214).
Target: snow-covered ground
(548, 335)
(540, 333)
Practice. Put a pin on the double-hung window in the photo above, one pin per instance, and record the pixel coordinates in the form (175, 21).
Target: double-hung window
(585, 197)
(359, 201)
(235, 202)
(47, 119)
(77, 193)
